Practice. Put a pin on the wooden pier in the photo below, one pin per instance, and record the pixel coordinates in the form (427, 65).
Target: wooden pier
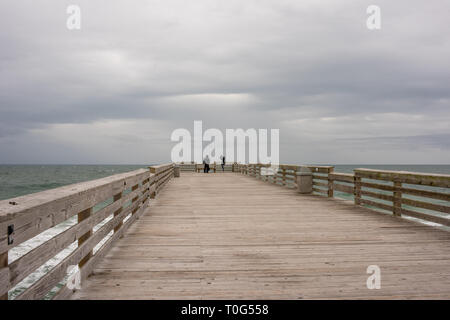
(237, 235)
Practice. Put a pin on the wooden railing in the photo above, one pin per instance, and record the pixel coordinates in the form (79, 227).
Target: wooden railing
(419, 195)
(286, 175)
(190, 166)
(201, 167)
(163, 173)
(321, 183)
(214, 167)
(103, 209)
(401, 194)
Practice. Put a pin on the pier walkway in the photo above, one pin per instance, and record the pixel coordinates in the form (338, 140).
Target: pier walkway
(230, 236)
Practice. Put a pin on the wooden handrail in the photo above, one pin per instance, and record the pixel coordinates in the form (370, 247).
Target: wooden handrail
(365, 191)
(215, 167)
(401, 205)
(123, 198)
(163, 173)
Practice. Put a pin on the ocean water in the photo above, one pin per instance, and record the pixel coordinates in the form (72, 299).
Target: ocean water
(17, 180)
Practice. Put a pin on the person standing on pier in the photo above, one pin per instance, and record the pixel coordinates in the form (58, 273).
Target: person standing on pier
(223, 163)
(206, 162)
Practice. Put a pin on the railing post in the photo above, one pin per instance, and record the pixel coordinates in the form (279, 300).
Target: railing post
(4, 264)
(397, 199)
(330, 183)
(83, 215)
(274, 176)
(357, 186)
(136, 198)
(155, 182)
(283, 173)
(117, 197)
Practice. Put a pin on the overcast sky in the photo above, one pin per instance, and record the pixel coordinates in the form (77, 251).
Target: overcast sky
(114, 91)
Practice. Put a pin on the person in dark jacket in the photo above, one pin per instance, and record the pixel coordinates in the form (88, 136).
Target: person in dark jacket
(223, 162)
(206, 162)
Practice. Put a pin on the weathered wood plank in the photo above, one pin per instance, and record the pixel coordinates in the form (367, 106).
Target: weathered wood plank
(40, 211)
(425, 205)
(4, 283)
(377, 204)
(342, 177)
(250, 240)
(343, 188)
(321, 169)
(428, 179)
(40, 288)
(84, 215)
(372, 185)
(4, 276)
(426, 217)
(320, 190)
(287, 167)
(320, 184)
(358, 186)
(380, 196)
(397, 199)
(28, 263)
(426, 193)
(86, 270)
(161, 168)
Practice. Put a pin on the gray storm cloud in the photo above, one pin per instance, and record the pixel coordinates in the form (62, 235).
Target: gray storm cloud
(113, 91)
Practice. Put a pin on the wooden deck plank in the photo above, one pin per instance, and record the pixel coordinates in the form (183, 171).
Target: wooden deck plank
(228, 236)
